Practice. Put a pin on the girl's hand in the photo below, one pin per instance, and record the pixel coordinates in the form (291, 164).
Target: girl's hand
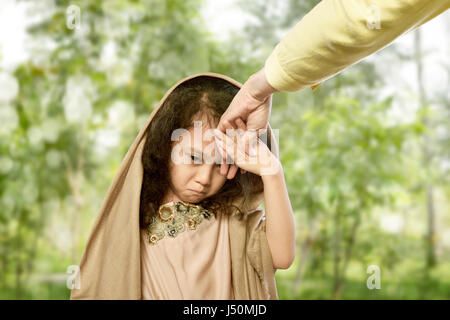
(247, 151)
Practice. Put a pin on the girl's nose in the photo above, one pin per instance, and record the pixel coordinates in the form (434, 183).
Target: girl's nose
(204, 175)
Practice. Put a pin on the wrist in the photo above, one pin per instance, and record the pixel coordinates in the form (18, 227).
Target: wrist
(275, 171)
(259, 87)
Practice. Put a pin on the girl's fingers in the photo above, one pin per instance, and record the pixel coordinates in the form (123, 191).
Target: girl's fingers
(246, 141)
(225, 147)
(228, 162)
(224, 169)
(235, 150)
(218, 133)
(241, 127)
(224, 165)
(228, 151)
(232, 172)
(252, 142)
(244, 128)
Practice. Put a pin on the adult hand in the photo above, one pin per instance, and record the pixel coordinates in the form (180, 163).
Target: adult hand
(249, 109)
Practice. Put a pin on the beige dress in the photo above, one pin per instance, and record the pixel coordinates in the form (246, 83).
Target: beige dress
(196, 264)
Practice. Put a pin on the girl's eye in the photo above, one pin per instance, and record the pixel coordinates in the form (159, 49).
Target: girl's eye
(193, 158)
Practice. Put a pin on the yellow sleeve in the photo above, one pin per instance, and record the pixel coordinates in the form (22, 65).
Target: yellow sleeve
(338, 33)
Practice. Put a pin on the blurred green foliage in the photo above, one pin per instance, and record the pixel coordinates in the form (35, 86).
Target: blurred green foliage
(358, 182)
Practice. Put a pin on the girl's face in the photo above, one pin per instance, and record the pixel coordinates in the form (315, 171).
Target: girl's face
(195, 174)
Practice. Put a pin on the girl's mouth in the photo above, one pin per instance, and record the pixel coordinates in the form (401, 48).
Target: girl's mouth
(197, 192)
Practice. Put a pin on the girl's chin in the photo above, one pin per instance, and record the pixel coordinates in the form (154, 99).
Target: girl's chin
(195, 197)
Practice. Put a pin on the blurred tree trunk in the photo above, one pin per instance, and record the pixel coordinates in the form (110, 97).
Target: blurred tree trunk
(337, 251)
(31, 260)
(340, 272)
(304, 250)
(19, 263)
(430, 249)
(75, 179)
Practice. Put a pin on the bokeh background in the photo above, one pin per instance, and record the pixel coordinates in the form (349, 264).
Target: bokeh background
(366, 155)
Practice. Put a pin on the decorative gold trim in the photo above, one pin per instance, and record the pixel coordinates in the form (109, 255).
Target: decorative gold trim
(172, 219)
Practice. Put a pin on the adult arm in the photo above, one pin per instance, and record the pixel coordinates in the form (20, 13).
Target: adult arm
(332, 36)
(338, 33)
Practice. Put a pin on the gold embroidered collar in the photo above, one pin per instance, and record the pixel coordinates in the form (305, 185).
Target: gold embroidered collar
(172, 219)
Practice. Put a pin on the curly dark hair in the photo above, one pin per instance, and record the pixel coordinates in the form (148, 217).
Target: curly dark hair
(181, 108)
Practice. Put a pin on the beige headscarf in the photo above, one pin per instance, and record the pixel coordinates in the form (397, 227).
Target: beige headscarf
(110, 265)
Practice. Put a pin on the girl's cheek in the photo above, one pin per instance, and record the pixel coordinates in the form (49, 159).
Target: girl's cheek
(219, 179)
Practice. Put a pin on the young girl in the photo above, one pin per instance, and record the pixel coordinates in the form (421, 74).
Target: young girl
(172, 227)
